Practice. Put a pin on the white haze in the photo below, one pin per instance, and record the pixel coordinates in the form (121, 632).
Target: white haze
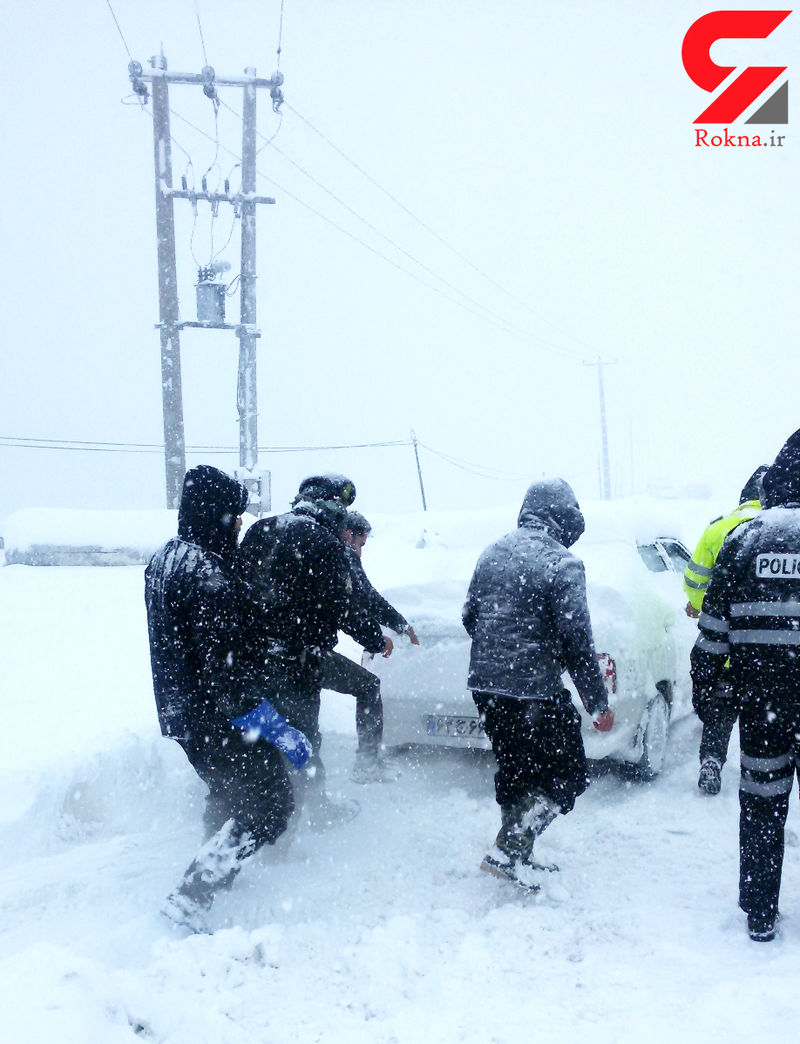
(550, 145)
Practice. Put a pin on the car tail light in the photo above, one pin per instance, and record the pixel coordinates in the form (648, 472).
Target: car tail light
(609, 671)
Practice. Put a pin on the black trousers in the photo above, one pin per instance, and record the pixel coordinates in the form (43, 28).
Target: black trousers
(343, 675)
(718, 714)
(248, 782)
(769, 730)
(538, 748)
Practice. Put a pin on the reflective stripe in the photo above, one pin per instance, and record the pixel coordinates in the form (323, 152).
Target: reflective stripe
(712, 623)
(765, 609)
(722, 648)
(696, 587)
(700, 570)
(764, 638)
(778, 786)
(766, 764)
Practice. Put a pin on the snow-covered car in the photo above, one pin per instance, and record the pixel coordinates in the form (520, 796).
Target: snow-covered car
(642, 638)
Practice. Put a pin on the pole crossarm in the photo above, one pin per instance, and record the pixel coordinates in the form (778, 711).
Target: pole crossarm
(165, 76)
(205, 324)
(237, 198)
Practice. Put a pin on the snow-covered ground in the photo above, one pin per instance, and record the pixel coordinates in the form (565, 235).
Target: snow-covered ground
(382, 930)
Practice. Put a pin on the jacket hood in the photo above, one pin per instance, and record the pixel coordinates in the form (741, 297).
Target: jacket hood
(752, 488)
(329, 513)
(552, 503)
(210, 504)
(781, 484)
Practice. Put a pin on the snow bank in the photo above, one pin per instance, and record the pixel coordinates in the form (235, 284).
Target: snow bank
(383, 930)
(56, 536)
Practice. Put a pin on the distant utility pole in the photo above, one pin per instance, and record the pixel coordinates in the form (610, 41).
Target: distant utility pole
(419, 471)
(606, 469)
(210, 292)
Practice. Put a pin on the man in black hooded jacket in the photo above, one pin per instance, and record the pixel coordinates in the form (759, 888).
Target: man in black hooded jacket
(300, 594)
(195, 618)
(751, 613)
(527, 616)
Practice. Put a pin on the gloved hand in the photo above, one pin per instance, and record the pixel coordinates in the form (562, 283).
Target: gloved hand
(275, 729)
(603, 720)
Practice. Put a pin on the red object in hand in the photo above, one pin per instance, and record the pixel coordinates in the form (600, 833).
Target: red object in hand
(604, 720)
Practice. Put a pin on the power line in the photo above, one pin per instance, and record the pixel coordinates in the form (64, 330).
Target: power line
(511, 327)
(500, 324)
(424, 225)
(24, 442)
(476, 469)
(280, 36)
(351, 235)
(87, 446)
(116, 23)
(200, 28)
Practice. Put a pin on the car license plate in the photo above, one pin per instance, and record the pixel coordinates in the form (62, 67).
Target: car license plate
(461, 726)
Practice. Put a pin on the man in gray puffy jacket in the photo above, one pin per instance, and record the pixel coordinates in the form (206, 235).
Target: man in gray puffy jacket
(528, 619)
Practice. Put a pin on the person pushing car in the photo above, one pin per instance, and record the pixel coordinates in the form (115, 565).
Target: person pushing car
(527, 616)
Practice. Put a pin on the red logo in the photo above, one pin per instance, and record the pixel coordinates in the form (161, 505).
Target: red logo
(750, 84)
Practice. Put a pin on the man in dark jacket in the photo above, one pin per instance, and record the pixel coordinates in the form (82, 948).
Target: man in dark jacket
(751, 614)
(527, 616)
(194, 621)
(341, 674)
(299, 588)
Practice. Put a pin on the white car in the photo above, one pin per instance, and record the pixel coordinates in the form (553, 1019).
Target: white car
(641, 634)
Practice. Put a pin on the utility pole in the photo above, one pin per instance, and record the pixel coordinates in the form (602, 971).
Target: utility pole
(168, 310)
(606, 469)
(210, 292)
(419, 471)
(247, 397)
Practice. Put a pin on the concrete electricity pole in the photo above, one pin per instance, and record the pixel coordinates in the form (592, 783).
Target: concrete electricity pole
(210, 292)
(606, 469)
(168, 310)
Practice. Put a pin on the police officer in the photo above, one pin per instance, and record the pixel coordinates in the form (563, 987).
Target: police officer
(717, 710)
(751, 614)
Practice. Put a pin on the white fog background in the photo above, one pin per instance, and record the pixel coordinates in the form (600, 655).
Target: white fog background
(551, 145)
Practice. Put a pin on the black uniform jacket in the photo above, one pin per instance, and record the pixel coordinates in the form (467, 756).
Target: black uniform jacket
(751, 611)
(297, 579)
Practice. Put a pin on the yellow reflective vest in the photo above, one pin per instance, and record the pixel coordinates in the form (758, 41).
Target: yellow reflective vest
(698, 571)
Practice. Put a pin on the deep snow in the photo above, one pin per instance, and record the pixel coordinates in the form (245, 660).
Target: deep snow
(382, 930)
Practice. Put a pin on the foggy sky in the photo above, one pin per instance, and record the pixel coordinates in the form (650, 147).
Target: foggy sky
(549, 145)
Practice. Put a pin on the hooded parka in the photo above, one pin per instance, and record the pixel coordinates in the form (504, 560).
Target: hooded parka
(192, 612)
(526, 609)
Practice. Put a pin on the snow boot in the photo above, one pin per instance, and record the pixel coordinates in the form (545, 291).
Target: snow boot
(761, 928)
(215, 866)
(372, 767)
(505, 859)
(185, 912)
(710, 779)
(539, 812)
